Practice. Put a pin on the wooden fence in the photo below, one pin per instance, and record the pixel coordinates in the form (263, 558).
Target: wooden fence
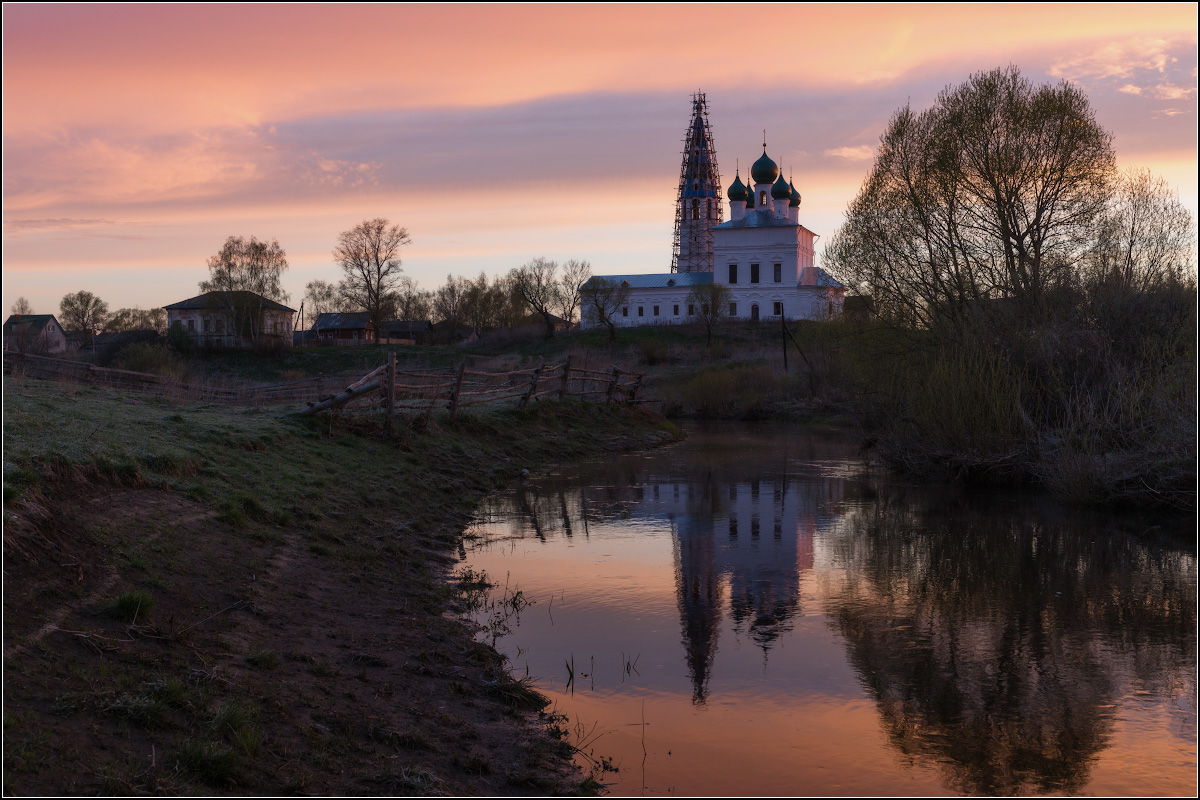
(454, 388)
(450, 388)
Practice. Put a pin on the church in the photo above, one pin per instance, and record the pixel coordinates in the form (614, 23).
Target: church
(763, 255)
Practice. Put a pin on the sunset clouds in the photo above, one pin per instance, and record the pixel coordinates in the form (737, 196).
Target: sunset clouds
(136, 139)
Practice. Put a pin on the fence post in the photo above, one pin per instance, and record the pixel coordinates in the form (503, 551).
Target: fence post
(390, 392)
(537, 376)
(612, 387)
(457, 388)
(634, 389)
(562, 391)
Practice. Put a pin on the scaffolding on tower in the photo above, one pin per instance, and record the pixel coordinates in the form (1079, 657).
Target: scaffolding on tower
(698, 207)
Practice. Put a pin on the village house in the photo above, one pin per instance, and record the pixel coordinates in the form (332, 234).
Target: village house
(344, 328)
(232, 319)
(34, 333)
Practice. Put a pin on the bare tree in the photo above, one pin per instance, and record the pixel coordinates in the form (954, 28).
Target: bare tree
(449, 301)
(992, 193)
(21, 308)
(411, 302)
(245, 272)
(537, 284)
(708, 303)
(574, 275)
(483, 303)
(83, 312)
(1146, 237)
(137, 319)
(369, 255)
(601, 299)
(322, 297)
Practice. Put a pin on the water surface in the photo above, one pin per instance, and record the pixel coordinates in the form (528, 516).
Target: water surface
(753, 612)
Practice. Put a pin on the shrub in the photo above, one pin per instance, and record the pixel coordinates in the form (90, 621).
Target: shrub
(155, 359)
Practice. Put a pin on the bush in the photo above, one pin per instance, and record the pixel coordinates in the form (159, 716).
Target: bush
(151, 358)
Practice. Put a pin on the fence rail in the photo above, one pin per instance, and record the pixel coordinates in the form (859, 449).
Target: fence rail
(449, 388)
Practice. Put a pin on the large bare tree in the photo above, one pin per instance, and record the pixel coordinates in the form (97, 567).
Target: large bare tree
(369, 255)
(537, 284)
(21, 308)
(245, 271)
(574, 275)
(991, 193)
(602, 299)
(83, 312)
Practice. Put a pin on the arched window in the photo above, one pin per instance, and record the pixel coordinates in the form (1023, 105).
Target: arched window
(695, 209)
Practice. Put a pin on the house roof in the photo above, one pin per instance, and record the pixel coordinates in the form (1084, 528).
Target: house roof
(355, 321)
(35, 321)
(408, 325)
(219, 300)
(660, 280)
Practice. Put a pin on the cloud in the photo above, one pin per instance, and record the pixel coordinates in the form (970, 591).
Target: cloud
(1122, 59)
(18, 226)
(863, 152)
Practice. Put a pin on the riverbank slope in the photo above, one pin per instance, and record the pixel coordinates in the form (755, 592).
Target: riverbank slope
(206, 599)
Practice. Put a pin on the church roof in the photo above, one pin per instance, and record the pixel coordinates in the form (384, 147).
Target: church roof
(815, 276)
(764, 170)
(661, 280)
(758, 219)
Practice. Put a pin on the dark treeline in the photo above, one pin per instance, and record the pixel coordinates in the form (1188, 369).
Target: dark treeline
(1035, 309)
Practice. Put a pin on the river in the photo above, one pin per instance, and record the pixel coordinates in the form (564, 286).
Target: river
(756, 612)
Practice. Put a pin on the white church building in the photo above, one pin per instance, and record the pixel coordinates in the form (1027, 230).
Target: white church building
(762, 254)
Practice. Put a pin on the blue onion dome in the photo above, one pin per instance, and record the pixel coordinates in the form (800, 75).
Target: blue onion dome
(764, 170)
(795, 196)
(737, 189)
(749, 199)
(781, 190)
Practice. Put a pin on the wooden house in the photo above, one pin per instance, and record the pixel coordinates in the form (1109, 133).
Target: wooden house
(344, 328)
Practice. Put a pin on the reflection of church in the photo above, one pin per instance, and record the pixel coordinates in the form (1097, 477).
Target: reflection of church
(751, 540)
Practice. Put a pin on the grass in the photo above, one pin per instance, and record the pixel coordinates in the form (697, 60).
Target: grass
(263, 659)
(210, 487)
(130, 607)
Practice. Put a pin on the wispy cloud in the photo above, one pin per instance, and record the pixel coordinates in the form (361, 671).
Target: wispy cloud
(864, 152)
(19, 226)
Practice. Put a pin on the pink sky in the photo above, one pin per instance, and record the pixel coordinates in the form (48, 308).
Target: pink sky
(136, 139)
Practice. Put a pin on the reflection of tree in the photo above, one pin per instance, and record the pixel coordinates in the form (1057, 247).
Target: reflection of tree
(994, 644)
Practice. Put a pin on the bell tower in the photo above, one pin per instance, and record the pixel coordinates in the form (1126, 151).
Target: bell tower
(698, 207)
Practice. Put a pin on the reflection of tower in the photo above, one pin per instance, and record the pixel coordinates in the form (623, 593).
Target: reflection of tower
(698, 592)
(698, 207)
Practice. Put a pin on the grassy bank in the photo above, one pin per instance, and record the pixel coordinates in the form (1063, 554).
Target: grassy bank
(201, 599)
